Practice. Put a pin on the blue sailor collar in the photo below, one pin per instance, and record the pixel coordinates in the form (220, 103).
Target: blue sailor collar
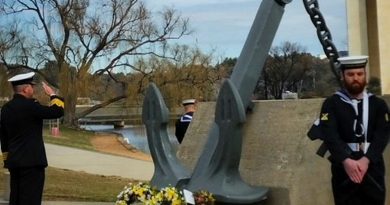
(344, 95)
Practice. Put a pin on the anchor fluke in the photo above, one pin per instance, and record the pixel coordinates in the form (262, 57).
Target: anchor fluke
(222, 177)
(167, 167)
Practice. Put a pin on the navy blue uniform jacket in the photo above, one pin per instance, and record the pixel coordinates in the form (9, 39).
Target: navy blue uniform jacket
(337, 118)
(21, 130)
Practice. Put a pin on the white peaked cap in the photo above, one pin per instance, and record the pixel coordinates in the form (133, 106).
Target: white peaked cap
(351, 62)
(188, 101)
(24, 78)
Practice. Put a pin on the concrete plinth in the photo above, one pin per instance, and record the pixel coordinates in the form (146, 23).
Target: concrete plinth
(276, 151)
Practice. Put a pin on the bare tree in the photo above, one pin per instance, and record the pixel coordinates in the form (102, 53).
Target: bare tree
(286, 67)
(191, 75)
(84, 36)
(5, 90)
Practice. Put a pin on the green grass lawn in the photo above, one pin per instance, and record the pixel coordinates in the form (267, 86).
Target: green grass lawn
(70, 137)
(67, 185)
(78, 186)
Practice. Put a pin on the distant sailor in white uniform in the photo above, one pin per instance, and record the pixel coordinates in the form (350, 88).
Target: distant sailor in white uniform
(184, 121)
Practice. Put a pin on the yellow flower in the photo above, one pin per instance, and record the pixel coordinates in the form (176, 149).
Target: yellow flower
(170, 194)
(176, 202)
(147, 195)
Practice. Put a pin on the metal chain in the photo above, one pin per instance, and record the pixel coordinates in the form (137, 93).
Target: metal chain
(324, 35)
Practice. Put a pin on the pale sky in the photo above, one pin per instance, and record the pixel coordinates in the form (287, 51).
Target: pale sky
(223, 25)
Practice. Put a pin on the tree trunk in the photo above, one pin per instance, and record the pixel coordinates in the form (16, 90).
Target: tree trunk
(68, 90)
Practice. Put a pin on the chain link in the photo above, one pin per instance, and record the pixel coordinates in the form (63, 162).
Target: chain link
(324, 35)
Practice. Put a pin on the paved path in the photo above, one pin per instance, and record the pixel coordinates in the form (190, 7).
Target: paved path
(98, 163)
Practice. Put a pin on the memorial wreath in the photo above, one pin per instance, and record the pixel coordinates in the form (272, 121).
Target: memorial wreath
(145, 194)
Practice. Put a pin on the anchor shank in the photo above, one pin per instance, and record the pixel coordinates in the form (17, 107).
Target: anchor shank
(246, 71)
(213, 171)
(250, 63)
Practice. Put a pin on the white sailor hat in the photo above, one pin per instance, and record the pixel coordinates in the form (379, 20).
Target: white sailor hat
(24, 78)
(351, 62)
(188, 101)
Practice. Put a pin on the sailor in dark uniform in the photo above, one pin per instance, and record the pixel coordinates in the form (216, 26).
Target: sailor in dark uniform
(21, 138)
(355, 125)
(184, 121)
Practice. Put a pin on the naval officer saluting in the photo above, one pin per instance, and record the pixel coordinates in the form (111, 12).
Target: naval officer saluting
(355, 126)
(21, 138)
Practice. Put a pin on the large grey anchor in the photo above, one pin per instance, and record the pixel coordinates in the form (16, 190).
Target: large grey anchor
(230, 188)
(223, 178)
(167, 168)
(220, 158)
